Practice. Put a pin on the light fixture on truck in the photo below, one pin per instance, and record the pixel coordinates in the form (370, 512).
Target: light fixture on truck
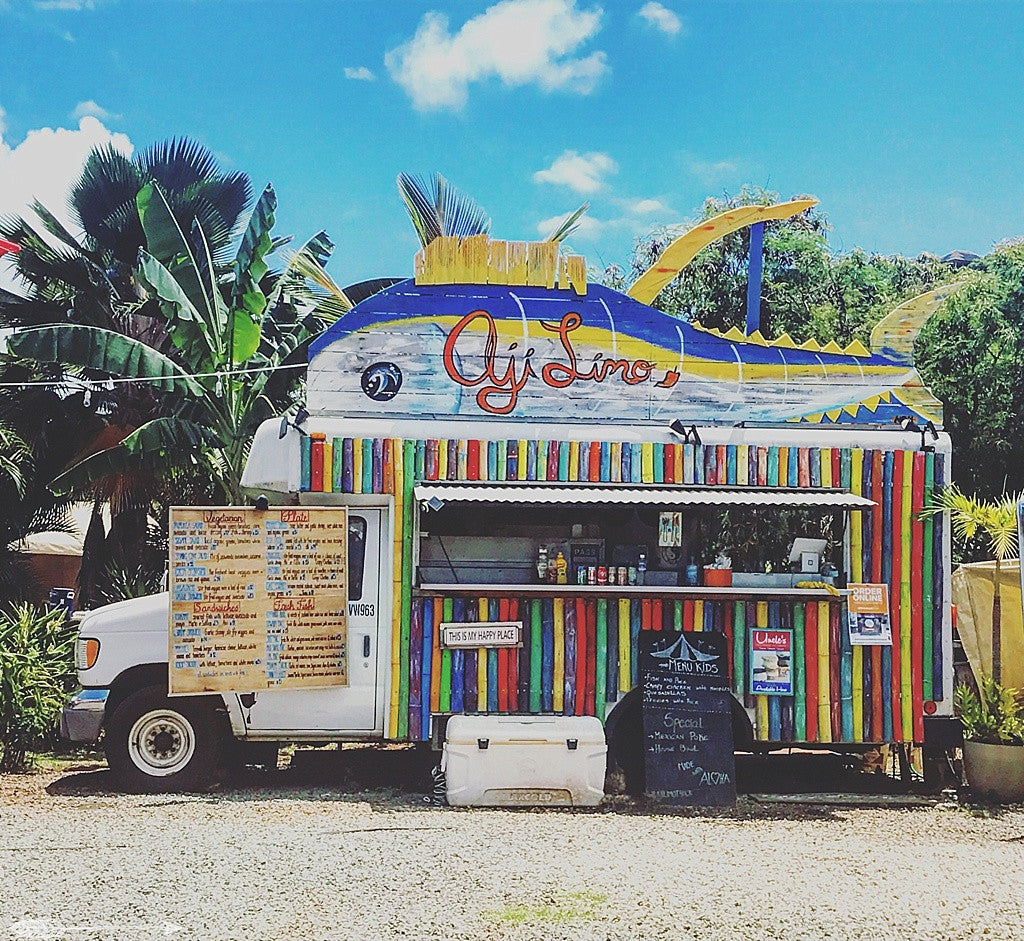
(689, 435)
(87, 649)
(300, 417)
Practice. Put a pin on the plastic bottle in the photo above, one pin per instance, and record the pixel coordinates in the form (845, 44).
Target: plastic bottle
(542, 564)
(561, 569)
(552, 569)
(691, 572)
(641, 569)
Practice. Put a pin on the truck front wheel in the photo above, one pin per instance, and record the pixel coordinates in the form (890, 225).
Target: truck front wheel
(157, 744)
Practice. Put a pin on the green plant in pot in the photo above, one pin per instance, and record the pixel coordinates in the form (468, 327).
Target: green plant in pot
(993, 717)
(993, 721)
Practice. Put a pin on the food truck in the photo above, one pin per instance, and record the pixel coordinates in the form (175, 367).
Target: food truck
(534, 470)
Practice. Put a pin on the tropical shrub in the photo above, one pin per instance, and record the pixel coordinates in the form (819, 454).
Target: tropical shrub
(994, 715)
(36, 671)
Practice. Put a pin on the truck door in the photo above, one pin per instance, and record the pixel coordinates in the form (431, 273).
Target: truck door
(358, 708)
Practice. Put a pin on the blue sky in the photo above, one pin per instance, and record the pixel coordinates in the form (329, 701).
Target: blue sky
(905, 119)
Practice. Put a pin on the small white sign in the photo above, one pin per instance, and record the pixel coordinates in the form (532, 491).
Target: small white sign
(481, 633)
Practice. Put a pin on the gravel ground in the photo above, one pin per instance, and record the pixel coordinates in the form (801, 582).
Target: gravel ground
(292, 856)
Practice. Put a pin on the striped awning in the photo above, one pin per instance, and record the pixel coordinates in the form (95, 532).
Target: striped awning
(566, 495)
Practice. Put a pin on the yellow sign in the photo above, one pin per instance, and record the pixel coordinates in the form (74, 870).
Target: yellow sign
(258, 598)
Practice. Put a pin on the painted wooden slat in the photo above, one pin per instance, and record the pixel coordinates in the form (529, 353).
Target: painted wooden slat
(558, 656)
(405, 457)
(710, 465)
(677, 616)
(740, 644)
(895, 596)
(536, 654)
(856, 465)
(458, 681)
(927, 580)
(842, 708)
(547, 655)
(774, 702)
(742, 464)
(591, 667)
(611, 683)
(698, 615)
(427, 662)
(730, 465)
(814, 466)
(305, 463)
(913, 491)
(803, 462)
(367, 484)
(581, 658)
(772, 471)
(415, 671)
(906, 604)
(761, 702)
(571, 647)
(939, 600)
(493, 666)
(811, 668)
(799, 676)
(634, 635)
(688, 471)
(698, 464)
(726, 609)
(826, 467)
(436, 656)
(445, 697)
(824, 674)
(600, 657)
(783, 467)
(625, 651)
(377, 469)
(762, 467)
(396, 607)
(523, 678)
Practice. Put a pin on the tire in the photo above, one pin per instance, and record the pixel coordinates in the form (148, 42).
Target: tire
(156, 744)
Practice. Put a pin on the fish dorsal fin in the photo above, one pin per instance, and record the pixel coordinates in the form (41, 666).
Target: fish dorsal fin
(685, 248)
(896, 331)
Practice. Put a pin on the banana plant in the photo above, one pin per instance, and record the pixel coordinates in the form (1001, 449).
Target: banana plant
(216, 378)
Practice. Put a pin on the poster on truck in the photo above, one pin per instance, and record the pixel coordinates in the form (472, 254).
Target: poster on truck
(258, 599)
(771, 658)
(867, 612)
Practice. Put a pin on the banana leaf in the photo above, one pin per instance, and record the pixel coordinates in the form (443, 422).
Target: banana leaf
(103, 350)
(167, 441)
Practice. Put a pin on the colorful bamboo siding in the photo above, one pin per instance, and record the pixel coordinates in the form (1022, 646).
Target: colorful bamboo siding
(579, 653)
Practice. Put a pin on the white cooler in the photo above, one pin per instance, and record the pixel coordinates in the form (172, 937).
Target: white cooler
(524, 761)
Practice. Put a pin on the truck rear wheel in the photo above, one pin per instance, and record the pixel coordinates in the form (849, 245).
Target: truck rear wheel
(156, 744)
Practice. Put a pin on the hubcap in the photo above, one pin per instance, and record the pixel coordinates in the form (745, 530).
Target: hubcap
(161, 742)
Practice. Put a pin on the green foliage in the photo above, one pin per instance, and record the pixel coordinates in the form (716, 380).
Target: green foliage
(995, 521)
(36, 670)
(971, 355)
(121, 580)
(437, 208)
(993, 715)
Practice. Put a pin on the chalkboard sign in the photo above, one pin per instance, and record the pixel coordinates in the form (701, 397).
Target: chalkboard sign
(688, 747)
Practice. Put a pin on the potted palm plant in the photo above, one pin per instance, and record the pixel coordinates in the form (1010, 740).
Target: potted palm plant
(993, 717)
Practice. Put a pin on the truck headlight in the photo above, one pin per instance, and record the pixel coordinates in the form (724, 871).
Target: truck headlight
(87, 649)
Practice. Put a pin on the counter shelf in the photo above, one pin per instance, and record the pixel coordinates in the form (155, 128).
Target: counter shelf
(676, 591)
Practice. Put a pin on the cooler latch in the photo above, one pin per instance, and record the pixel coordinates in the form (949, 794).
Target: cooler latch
(482, 743)
(572, 743)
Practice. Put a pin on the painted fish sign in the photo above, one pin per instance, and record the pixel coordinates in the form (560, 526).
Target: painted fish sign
(688, 744)
(472, 348)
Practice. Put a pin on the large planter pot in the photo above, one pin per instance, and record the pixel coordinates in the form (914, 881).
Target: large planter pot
(995, 772)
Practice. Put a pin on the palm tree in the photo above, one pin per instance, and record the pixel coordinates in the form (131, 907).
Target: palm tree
(232, 333)
(996, 520)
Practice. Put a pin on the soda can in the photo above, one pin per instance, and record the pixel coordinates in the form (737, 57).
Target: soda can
(592, 575)
(602, 575)
(611, 574)
(581, 575)
(632, 575)
(622, 575)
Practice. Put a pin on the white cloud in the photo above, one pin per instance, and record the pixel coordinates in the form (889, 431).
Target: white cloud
(47, 162)
(89, 109)
(582, 173)
(710, 172)
(643, 207)
(661, 17)
(72, 5)
(360, 74)
(520, 42)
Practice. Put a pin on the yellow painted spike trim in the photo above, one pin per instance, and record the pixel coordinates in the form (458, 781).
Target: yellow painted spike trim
(477, 259)
(734, 333)
(685, 248)
(832, 347)
(856, 348)
(813, 345)
(785, 341)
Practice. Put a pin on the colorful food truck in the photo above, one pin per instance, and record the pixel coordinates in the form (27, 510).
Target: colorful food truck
(535, 470)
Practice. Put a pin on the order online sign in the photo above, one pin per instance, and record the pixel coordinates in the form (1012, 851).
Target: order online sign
(771, 663)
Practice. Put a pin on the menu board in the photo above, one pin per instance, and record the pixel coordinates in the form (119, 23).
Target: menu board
(688, 746)
(258, 598)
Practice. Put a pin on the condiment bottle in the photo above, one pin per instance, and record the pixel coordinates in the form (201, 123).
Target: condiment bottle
(542, 564)
(561, 570)
(641, 568)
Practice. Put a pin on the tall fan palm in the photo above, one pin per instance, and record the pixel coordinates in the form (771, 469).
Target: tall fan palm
(996, 520)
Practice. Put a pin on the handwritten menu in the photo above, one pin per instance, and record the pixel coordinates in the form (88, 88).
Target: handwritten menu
(258, 599)
(688, 746)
